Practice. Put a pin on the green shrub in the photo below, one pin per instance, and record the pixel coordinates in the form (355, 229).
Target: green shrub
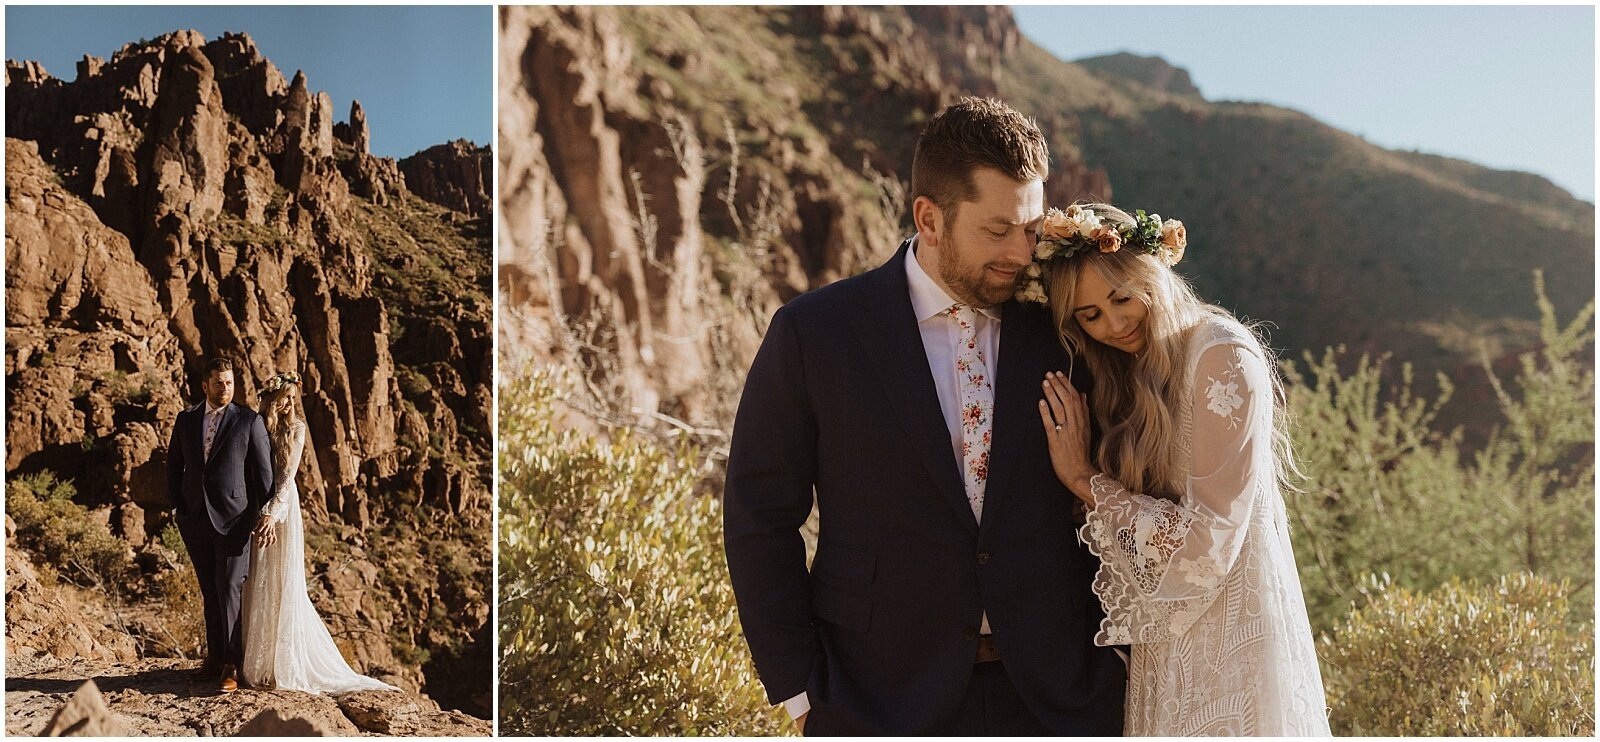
(1387, 493)
(1465, 659)
(172, 538)
(616, 613)
(60, 532)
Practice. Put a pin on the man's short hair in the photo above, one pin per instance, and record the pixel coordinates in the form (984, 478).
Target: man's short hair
(973, 133)
(217, 364)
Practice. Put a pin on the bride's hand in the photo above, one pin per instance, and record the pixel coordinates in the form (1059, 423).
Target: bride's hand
(266, 532)
(1065, 413)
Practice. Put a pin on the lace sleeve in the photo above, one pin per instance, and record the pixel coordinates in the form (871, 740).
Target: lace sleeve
(283, 477)
(1162, 563)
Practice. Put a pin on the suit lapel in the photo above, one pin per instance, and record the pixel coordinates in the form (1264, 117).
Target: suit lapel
(1016, 396)
(887, 328)
(194, 428)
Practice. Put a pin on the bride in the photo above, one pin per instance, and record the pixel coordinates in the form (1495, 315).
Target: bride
(286, 645)
(1182, 491)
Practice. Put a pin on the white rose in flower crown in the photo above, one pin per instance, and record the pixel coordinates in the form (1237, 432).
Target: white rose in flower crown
(1032, 291)
(1079, 222)
(1033, 271)
(1046, 249)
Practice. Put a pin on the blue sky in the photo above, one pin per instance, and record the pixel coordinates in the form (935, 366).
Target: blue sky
(1507, 87)
(424, 75)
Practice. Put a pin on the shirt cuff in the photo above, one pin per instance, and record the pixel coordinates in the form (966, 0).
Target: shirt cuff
(798, 706)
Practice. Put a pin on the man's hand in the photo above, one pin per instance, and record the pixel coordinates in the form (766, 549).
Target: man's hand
(800, 723)
(265, 533)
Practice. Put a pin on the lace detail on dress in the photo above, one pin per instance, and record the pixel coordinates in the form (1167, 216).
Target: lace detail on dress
(1205, 589)
(1222, 397)
(1142, 533)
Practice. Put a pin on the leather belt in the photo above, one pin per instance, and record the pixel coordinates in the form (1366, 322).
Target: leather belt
(987, 652)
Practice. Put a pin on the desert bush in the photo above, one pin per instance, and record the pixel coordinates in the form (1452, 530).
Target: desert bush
(1464, 659)
(121, 388)
(1385, 492)
(616, 613)
(61, 533)
(182, 630)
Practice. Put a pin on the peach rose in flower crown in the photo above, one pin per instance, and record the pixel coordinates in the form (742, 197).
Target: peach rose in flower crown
(1058, 226)
(1174, 238)
(1107, 237)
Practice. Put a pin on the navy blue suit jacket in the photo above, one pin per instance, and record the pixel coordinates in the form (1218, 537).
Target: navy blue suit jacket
(234, 483)
(881, 631)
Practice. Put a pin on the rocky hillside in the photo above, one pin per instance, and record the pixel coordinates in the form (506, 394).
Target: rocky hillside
(1334, 240)
(673, 175)
(811, 114)
(184, 199)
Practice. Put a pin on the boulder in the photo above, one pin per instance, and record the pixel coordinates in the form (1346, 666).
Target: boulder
(85, 715)
(270, 723)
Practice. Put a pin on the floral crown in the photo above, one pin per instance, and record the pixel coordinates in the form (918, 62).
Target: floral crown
(1078, 230)
(281, 380)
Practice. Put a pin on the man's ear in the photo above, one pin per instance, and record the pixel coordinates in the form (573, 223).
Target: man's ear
(928, 218)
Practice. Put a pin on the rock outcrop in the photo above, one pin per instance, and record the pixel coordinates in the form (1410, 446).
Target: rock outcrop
(1152, 72)
(679, 216)
(181, 200)
(63, 621)
(457, 175)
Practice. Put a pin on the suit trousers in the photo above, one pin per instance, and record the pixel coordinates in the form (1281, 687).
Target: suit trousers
(990, 708)
(221, 563)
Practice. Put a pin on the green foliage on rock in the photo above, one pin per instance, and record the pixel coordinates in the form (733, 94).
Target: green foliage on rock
(616, 612)
(1463, 660)
(61, 533)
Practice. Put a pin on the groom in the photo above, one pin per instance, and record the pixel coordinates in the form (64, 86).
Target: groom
(219, 473)
(948, 594)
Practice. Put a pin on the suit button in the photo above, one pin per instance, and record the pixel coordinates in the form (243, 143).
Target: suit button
(969, 635)
(983, 557)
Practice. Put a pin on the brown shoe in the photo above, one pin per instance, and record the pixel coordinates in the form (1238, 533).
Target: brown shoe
(230, 679)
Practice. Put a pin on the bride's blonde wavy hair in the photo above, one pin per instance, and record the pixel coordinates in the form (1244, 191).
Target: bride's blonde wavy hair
(280, 426)
(1135, 398)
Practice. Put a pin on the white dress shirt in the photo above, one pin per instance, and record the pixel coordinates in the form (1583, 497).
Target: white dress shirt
(940, 335)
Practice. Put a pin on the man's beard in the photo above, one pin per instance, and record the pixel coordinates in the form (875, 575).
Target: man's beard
(973, 284)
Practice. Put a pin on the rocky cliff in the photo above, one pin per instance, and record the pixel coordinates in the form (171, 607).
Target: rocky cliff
(673, 175)
(182, 199)
(456, 175)
(625, 248)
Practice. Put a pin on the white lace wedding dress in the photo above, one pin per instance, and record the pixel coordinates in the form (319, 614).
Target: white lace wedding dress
(286, 645)
(1205, 589)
